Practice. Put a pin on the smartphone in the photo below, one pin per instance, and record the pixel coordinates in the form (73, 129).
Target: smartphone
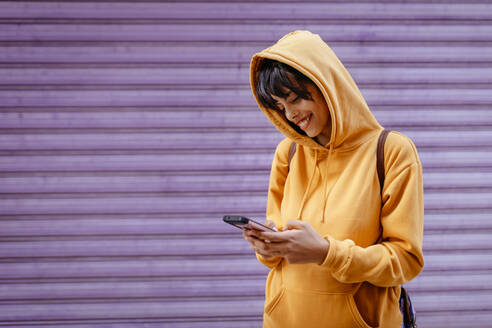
(242, 223)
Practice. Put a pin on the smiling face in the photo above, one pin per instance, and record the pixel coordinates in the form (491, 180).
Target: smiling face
(281, 87)
(311, 115)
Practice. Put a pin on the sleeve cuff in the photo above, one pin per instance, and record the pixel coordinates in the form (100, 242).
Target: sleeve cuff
(330, 255)
(335, 257)
(270, 262)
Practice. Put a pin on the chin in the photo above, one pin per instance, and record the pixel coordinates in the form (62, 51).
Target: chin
(311, 134)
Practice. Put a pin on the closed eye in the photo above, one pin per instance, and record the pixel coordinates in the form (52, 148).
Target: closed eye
(296, 99)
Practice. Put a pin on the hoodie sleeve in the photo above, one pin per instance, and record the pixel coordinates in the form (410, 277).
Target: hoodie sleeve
(398, 257)
(278, 175)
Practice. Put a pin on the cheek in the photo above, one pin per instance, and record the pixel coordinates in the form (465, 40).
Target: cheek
(305, 107)
(325, 118)
(323, 115)
(320, 116)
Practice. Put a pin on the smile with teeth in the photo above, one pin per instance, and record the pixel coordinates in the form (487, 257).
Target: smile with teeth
(304, 122)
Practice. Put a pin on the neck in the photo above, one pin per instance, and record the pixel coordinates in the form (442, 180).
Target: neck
(324, 137)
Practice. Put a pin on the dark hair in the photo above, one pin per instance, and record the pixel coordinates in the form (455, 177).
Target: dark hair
(273, 76)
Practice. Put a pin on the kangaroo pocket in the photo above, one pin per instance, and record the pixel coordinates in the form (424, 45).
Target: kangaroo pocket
(293, 308)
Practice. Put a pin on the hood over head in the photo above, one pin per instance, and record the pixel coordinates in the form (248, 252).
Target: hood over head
(352, 121)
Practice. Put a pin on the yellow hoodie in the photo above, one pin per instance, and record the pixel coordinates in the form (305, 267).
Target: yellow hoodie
(375, 244)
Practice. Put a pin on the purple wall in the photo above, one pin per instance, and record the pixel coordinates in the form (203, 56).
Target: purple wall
(128, 129)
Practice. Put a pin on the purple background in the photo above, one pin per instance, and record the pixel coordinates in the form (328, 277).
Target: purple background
(128, 129)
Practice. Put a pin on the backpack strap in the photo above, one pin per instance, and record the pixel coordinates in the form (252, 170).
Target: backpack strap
(292, 151)
(380, 158)
(406, 307)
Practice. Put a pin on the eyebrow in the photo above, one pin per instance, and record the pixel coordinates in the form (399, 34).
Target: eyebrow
(286, 96)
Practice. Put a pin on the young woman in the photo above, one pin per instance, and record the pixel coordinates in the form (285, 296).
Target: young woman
(344, 246)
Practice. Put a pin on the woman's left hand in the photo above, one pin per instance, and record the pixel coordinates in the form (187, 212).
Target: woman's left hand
(297, 243)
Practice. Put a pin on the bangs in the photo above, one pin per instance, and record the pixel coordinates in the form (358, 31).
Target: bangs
(274, 78)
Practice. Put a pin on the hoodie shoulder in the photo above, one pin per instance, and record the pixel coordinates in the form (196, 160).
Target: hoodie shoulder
(400, 150)
(283, 149)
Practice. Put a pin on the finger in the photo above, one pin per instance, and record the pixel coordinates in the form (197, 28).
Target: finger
(258, 241)
(275, 237)
(253, 241)
(255, 237)
(263, 250)
(266, 254)
(255, 233)
(252, 233)
(273, 249)
(269, 237)
(271, 224)
(247, 235)
(294, 224)
(247, 232)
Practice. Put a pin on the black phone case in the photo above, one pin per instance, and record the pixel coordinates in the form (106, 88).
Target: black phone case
(241, 222)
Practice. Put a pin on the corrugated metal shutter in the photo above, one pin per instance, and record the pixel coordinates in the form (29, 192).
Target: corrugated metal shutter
(128, 130)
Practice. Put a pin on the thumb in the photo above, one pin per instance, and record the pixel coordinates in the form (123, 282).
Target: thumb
(294, 224)
(271, 224)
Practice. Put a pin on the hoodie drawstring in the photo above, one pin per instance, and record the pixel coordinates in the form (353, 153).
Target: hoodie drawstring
(304, 197)
(325, 186)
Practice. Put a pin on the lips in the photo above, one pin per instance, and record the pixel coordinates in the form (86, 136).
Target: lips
(303, 123)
